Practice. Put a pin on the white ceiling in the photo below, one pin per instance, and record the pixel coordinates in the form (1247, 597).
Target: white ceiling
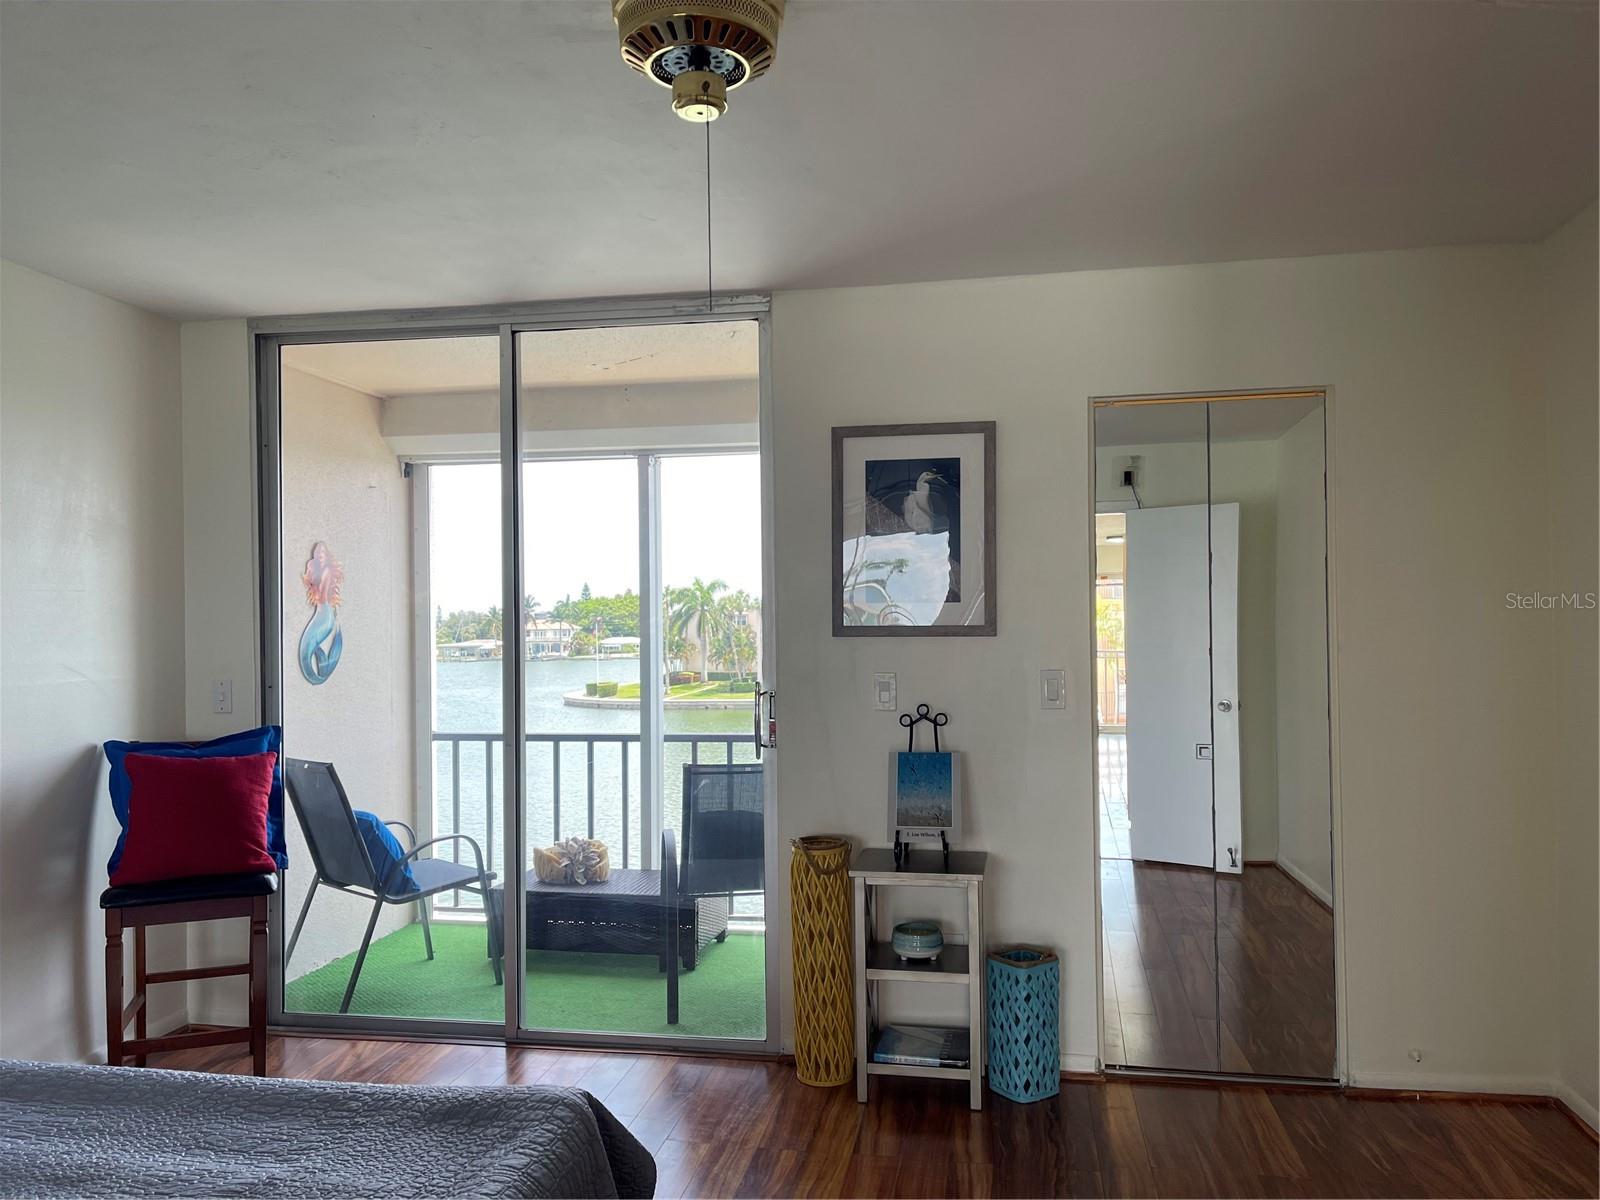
(613, 356)
(250, 158)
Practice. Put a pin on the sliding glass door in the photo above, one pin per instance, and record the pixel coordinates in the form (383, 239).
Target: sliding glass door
(644, 814)
(526, 628)
(389, 680)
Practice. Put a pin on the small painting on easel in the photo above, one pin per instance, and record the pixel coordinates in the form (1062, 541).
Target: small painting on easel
(924, 789)
(924, 800)
(925, 796)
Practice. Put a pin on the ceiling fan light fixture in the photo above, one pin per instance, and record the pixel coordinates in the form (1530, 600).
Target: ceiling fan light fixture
(699, 96)
(718, 44)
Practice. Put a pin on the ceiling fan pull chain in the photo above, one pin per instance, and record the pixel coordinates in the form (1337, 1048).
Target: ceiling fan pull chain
(708, 214)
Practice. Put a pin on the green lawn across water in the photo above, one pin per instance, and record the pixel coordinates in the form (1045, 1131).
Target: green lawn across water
(715, 690)
(599, 993)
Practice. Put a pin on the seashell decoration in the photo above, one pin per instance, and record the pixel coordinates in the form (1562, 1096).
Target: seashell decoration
(578, 858)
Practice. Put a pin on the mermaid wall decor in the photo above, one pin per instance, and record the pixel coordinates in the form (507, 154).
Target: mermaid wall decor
(322, 641)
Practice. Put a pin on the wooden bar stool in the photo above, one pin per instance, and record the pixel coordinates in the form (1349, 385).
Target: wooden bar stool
(205, 898)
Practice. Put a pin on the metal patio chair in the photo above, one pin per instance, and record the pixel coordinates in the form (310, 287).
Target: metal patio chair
(342, 862)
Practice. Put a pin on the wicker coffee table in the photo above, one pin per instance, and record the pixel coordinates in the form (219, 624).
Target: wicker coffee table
(623, 915)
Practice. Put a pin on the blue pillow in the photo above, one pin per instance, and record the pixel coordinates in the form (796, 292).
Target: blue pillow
(251, 741)
(385, 850)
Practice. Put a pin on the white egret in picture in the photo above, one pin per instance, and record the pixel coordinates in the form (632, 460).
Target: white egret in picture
(907, 566)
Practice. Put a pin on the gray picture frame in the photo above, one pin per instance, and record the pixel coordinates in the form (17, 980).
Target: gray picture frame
(988, 626)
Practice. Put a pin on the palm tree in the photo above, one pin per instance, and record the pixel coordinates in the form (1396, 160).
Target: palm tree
(677, 650)
(731, 648)
(696, 605)
(742, 645)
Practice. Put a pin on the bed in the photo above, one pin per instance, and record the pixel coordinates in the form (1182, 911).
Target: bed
(70, 1130)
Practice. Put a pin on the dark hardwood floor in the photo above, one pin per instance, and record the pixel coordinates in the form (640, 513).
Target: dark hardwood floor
(728, 1127)
(1270, 969)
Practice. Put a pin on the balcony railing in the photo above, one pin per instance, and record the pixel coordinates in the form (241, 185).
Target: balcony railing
(578, 783)
(1111, 688)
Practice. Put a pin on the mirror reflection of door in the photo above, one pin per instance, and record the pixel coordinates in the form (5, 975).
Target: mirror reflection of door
(1188, 778)
(1212, 764)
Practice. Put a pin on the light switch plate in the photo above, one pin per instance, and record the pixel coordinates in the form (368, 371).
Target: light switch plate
(222, 695)
(883, 691)
(1052, 688)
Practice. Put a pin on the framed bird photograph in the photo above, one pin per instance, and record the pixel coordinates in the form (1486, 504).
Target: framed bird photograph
(914, 530)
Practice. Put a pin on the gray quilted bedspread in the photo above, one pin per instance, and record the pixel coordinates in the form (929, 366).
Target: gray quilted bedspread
(69, 1130)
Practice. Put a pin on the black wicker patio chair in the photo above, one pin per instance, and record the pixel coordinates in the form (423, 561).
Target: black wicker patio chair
(724, 848)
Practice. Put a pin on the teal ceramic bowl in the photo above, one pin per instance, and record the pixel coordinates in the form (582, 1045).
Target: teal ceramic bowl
(917, 939)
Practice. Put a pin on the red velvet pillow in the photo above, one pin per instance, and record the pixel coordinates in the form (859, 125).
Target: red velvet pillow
(196, 816)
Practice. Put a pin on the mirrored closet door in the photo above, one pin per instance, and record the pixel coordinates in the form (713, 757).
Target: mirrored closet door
(1212, 781)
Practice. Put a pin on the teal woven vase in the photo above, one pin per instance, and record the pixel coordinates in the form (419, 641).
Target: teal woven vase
(1024, 993)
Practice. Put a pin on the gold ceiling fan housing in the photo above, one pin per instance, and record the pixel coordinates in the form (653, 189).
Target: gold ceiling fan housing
(701, 50)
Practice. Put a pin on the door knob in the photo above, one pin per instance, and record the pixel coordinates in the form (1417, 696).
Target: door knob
(1224, 705)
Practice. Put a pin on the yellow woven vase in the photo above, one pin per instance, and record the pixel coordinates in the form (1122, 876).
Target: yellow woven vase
(824, 1012)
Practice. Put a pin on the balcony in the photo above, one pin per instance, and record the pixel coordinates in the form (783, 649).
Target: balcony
(578, 783)
(1111, 689)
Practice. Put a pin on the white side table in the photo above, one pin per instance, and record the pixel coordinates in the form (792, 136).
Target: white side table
(876, 962)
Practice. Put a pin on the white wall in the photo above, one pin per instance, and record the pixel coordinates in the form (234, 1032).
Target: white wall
(219, 573)
(1445, 871)
(1563, 364)
(91, 644)
(342, 485)
(1301, 636)
(1446, 840)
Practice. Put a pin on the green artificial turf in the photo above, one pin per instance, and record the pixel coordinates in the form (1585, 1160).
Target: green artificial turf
(600, 993)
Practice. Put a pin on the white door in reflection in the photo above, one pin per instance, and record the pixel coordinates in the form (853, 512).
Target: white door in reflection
(1183, 755)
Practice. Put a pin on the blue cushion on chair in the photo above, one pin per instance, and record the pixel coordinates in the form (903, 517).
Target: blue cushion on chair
(385, 851)
(250, 741)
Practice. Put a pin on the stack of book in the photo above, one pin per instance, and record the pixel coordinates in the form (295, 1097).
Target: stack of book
(923, 1046)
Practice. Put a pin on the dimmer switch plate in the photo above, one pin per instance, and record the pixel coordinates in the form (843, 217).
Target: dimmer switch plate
(883, 691)
(1052, 688)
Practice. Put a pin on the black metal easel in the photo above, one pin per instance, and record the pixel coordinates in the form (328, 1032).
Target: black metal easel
(902, 850)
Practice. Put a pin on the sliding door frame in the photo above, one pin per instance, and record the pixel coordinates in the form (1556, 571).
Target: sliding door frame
(268, 336)
(1336, 814)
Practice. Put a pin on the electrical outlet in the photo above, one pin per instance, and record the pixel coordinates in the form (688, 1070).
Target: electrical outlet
(222, 695)
(883, 691)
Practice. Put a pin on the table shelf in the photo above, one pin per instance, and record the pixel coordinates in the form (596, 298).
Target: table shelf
(878, 1068)
(950, 967)
(959, 963)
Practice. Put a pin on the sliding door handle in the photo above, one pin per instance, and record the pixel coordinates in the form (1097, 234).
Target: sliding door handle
(766, 737)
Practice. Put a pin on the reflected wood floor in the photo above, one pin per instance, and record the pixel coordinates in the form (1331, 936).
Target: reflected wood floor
(729, 1127)
(1272, 961)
